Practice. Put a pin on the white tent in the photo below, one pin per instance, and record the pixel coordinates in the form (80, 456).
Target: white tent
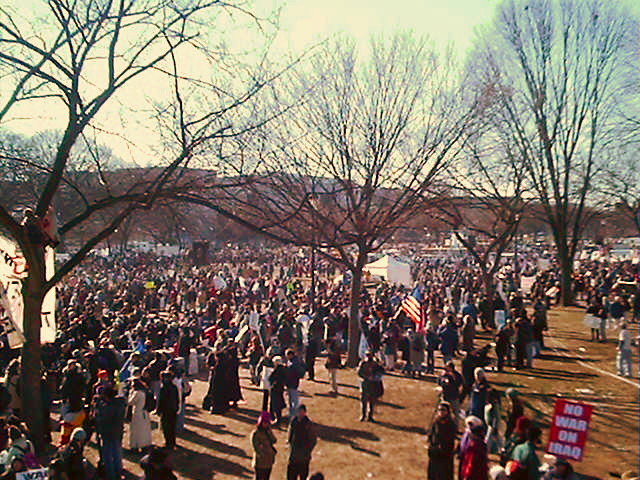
(391, 270)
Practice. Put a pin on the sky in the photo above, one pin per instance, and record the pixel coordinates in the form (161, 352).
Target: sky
(302, 23)
(306, 21)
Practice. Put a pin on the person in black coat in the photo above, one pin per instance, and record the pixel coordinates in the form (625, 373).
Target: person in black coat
(277, 379)
(442, 438)
(167, 409)
(233, 377)
(219, 385)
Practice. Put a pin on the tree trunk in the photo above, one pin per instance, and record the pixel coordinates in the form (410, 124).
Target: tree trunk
(354, 313)
(566, 281)
(31, 359)
(490, 292)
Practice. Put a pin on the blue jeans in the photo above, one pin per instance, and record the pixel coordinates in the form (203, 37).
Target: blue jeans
(294, 400)
(530, 348)
(623, 361)
(180, 419)
(111, 452)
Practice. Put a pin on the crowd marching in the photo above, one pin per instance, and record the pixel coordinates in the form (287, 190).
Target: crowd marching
(134, 328)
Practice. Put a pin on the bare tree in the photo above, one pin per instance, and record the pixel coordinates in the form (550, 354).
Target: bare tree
(358, 156)
(559, 70)
(620, 186)
(486, 197)
(83, 58)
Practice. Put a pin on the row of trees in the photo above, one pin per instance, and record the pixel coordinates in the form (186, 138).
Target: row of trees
(335, 150)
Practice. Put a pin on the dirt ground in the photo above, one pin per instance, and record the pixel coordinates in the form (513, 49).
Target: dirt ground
(218, 447)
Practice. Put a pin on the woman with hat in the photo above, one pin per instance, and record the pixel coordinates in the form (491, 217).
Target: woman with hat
(264, 452)
(479, 393)
(473, 452)
(140, 427)
(277, 379)
(441, 444)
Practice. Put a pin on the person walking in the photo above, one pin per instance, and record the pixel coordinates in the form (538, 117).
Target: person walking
(451, 383)
(167, 409)
(371, 388)
(515, 410)
(503, 344)
(432, 341)
(479, 393)
(448, 341)
(140, 426)
(525, 454)
(295, 372)
(277, 379)
(109, 421)
(264, 452)
(473, 453)
(302, 441)
(334, 362)
(492, 421)
(442, 436)
(623, 359)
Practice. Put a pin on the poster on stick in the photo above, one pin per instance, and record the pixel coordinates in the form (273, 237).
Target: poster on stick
(569, 427)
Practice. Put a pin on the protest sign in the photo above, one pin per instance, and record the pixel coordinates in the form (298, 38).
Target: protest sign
(12, 270)
(569, 426)
(526, 283)
(35, 474)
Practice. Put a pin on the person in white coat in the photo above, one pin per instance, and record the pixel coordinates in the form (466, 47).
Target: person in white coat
(140, 427)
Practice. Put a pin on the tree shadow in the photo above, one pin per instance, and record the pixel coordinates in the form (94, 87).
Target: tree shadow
(211, 444)
(403, 428)
(330, 433)
(346, 385)
(199, 465)
(219, 429)
(391, 405)
(347, 436)
(550, 374)
(242, 414)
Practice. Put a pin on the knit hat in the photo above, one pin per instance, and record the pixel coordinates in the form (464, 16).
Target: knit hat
(78, 434)
(473, 422)
(264, 419)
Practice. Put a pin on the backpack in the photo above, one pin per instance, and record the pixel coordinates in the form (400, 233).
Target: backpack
(149, 401)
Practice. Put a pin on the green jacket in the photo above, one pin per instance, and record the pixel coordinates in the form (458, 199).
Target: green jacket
(264, 453)
(525, 454)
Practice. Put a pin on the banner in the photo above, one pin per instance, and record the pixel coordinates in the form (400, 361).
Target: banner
(35, 474)
(48, 312)
(569, 427)
(10, 300)
(12, 271)
(12, 263)
(526, 283)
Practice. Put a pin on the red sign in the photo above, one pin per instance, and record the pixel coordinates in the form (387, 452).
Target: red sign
(569, 426)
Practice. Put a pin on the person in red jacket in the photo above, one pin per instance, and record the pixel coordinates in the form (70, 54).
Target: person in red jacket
(473, 455)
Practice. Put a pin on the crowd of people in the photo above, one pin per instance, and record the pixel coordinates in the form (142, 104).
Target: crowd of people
(133, 329)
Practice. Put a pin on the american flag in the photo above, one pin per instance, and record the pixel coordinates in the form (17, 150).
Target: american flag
(412, 307)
